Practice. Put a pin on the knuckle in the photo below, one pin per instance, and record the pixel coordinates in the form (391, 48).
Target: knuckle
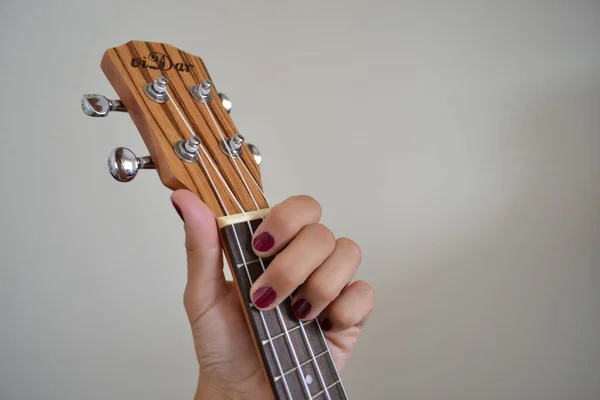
(306, 202)
(366, 291)
(277, 216)
(288, 278)
(320, 293)
(350, 246)
(280, 214)
(284, 215)
(343, 316)
(320, 233)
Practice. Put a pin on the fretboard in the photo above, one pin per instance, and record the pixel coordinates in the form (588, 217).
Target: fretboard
(295, 354)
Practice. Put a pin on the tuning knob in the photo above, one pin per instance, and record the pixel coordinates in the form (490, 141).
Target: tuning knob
(124, 165)
(96, 105)
(255, 153)
(226, 102)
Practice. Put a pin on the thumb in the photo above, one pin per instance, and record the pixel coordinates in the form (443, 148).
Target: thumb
(206, 281)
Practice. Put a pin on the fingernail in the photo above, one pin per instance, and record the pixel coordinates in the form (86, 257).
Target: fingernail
(301, 308)
(177, 209)
(263, 242)
(263, 297)
(326, 324)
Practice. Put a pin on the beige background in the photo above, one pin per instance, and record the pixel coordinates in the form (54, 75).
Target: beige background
(457, 142)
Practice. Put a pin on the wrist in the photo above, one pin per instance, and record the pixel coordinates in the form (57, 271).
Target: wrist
(203, 393)
(218, 390)
(209, 391)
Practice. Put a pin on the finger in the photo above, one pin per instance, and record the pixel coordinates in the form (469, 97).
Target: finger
(206, 281)
(352, 308)
(290, 268)
(283, 222)
(326, 283)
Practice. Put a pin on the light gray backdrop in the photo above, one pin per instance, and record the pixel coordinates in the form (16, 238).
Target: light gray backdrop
(457, 142)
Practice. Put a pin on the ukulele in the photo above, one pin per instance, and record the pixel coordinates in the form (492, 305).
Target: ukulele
(195, 145)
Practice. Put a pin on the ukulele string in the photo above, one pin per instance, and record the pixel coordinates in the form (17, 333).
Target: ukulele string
(301, 323)
(264, 323)
(277, 309)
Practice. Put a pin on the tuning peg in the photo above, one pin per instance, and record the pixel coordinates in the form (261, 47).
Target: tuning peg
(124, 165)
(96, 105)
(226, 102)
(255, 153)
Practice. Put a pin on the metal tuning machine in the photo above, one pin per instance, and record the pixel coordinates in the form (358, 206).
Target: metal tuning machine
(235, 143)
(96, 105)
(255, 153)
(232, 146)
(202, 91)
(123, 165)
(157, 90)
(234, 149)
(225, 102)
(187, 150)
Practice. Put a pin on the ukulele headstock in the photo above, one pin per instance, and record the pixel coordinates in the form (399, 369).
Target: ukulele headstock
(185, 124)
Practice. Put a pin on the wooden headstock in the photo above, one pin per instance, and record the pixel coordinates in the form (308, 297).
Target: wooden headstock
(136, 64)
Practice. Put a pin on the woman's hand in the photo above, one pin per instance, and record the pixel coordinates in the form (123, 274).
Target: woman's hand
(309, 259)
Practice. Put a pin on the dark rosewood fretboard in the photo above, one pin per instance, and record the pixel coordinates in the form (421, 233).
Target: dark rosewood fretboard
(295, 355)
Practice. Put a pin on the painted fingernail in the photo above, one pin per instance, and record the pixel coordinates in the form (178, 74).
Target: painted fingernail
(301, 308)
(326, 324)
(178, 210)
(263, 297)
(263, 242)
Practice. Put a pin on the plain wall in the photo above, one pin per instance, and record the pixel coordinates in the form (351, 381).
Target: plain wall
(456, 142)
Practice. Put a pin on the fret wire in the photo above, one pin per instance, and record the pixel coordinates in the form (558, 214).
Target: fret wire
(248, 263)
(329, 387)
(303, 364)
(281, 334)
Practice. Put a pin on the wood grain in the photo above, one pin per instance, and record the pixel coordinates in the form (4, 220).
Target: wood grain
(161, 126)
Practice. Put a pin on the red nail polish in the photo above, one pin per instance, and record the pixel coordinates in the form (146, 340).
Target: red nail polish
(326, 324)
(301, 308)
(263, 297)
(178, 210)
(263, 242)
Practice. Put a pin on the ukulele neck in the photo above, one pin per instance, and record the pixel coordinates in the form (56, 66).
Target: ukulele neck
(295, 355)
